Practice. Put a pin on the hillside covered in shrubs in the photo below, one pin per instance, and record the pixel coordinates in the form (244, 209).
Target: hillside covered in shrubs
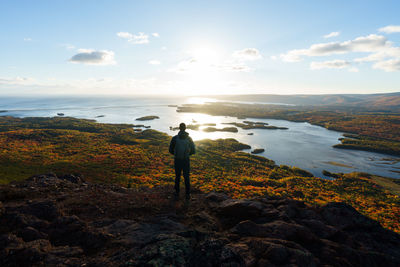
(116, 154)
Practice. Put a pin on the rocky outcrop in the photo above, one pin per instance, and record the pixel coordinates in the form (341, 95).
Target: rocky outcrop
(62, 220)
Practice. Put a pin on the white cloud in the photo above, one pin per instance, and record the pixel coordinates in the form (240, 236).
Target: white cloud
(184, 66)
(212, 62)
(388, 59)
(154, 62)
(233, 67)
(333, 64)
(155, 34)
(247, 54)
(17, 81)
(164, 48)
(390, 29)
(140, 38)
(27, 39)
(332, 34)
(386, 52)
(92, 57)
(380, 50)
(370, 43)
(125, 35)
(388, 65)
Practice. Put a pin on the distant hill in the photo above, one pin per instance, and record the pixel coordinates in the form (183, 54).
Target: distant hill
(385, 101)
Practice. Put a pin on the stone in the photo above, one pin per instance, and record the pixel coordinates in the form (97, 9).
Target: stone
(30, 234)
(216, 197)
(2, 209)
(277, 254)
(250, 228)
(239, 209)
(76, 179)
(345, 216)
(46, 210)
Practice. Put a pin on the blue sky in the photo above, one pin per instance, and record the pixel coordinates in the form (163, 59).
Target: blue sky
(199, 47)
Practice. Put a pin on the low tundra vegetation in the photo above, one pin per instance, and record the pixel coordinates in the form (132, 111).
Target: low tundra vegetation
(115, 153)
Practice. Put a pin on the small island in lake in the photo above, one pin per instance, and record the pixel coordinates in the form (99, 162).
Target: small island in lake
(140, 126)
(194, 127)
(225, 129)
(147, 118)
(258, 151)
(60, 114)
(255, 122)
(248, 125)
(100, 116)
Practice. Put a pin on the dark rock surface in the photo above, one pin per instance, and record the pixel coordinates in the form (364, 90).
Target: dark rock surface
(258, 151)
(51, 220)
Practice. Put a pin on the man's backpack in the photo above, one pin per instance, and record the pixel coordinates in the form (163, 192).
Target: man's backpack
(182, 148)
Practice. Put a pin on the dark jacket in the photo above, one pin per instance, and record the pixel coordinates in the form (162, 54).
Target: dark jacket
(182, 146)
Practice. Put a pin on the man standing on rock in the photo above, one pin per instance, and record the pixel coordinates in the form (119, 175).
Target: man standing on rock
(182, 147)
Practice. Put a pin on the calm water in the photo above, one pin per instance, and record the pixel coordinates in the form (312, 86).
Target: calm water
(306, 146)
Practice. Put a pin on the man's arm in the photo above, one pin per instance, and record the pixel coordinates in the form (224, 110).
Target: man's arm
(172, 146)
(192, 146)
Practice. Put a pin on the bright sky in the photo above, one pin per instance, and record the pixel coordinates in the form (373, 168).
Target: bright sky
(202, 47)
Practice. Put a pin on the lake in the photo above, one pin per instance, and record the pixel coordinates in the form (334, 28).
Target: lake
(303, 145)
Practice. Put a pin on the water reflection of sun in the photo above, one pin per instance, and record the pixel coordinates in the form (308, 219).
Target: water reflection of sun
(196, 118)
(199, 100)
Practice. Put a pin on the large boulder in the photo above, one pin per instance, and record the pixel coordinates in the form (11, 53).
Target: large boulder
(45, 210)
(70, 230)
(216, 197)
(232, 211)
(215, 252)
(25, 254)
(2, 209)
(344, 216)
(76, 179)
(29, 234)
(166, 250)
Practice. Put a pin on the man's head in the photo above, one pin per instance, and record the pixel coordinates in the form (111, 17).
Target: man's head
(182, 126)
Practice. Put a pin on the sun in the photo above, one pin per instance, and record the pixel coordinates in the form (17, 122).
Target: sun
(203, 73)
(201, 59)
(206, 54)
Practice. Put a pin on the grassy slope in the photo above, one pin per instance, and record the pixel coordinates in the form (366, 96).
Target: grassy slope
(391, 185)
(116, 154)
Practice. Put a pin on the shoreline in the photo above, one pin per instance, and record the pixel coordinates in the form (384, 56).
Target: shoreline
(391, 149)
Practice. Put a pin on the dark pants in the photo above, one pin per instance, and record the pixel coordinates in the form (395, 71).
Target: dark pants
(182, 165)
